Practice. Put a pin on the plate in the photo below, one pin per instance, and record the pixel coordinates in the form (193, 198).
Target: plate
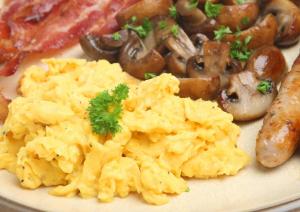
(254, 188)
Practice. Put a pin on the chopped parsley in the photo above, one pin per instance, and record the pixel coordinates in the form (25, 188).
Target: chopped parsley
(133, 19)
(105, 110)
(116, 36)
(142, 30)
(221, 32)
(175, 30)
(193, 4)
(239, 49)
(264, 87)
(188, 189)
(245, 20)
(162, 24)
(238, 31)
(241, 1)
(173, 11)
(149, 75)
(212, 10)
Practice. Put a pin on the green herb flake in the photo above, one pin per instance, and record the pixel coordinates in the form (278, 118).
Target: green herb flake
(162, 24)
(116, 36)
(239, 50)
(238, 31)
(221, 32)
(142, 30)
(173, 11)
(245, 20)
(175, 30)
(241, 1)
(193, 4)
(212, 10)
(149, 75)
(105, 110)
(188, 189)
(264, 87)
(133, 19)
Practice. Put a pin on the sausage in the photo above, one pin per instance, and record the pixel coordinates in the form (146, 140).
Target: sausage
(278, 138)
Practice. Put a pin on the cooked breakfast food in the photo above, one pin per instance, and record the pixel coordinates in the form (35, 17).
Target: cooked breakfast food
(40, 26)
(90, 129)
(279, 136)
(221, 50)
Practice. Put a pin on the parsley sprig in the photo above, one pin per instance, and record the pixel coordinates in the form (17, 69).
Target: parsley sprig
(221, 32)
(193, 4)
(173, 12)
(239, 49)
(212, 10)
(264, 87)
(142, 30)
(105, 110)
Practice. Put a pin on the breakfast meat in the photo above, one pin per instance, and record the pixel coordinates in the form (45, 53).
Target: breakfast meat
(278, 138)
(40, 26)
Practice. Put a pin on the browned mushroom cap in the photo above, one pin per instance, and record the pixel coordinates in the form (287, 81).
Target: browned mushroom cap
(217, 61)
(144, 9)
(288, 17)
(264, 33)
(204, 87)
(136, 59)
(189, 16)
(241, 15)
(181, 49)
(103, 46)
(267, 62)
(3, 108)
(243, 100)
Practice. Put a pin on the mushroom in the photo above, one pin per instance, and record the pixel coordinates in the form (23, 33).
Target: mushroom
(104, 46)
(136, 59)
(288, 17)
(267, 62)
(181, 49)
(217, 61)
(243, 100)
(233, 16)
(199, 84)
(144, 9)
(204, 87)
(263, 33)
(189, 16)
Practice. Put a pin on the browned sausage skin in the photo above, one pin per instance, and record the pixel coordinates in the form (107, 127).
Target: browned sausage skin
(278, 138)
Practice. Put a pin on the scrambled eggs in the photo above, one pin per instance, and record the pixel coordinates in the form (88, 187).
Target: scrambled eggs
(47, 138)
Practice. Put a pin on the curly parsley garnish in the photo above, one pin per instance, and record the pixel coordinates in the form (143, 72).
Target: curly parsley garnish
(105, 110)
(149, 75)
(173, 11)
(212, 10)
(116, 36)
(239, 49)
(221, 32)
(264, 87)
(142, 30)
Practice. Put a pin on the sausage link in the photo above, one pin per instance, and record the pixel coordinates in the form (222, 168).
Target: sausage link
(278, 138)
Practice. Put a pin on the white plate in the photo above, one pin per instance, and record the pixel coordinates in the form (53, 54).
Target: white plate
(252, 189)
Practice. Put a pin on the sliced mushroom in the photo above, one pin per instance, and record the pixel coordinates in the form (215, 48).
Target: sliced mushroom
(181, 49)
(267, 62)
(137, 59)
(240, 15)
(204, 87)
(189, 16)
(264, 33)
(243, 100)
(288, 17)
(144, 9)
(103, 46)
(198, 41)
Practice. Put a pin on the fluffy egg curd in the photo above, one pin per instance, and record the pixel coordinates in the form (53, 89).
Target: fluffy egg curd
(47, 138)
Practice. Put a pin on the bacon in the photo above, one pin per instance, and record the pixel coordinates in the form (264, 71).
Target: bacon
(46, 25)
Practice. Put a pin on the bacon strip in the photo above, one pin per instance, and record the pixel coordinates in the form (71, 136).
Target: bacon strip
(43, 25)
